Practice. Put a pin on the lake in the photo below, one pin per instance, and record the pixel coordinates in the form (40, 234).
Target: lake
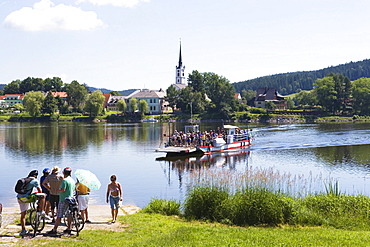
(338, 151)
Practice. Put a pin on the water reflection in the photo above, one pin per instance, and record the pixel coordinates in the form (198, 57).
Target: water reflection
(184, 165)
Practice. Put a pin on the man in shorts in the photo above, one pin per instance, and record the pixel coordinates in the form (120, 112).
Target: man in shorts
(25, 199)
(52, 183)
(66, 190)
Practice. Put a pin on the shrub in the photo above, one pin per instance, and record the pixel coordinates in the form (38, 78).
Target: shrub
(254, 207)
(160, 206)
(202, 202)
(339, 211)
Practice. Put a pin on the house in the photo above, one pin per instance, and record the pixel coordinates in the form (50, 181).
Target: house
(112, 105)
(155, 99)
(269, 94)
(9, 100)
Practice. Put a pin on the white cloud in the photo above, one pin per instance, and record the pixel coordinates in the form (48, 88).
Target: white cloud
(44, 16)
(117, 3)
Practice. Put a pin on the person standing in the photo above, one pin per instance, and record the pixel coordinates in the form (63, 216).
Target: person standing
(46, 172)
(83, 200)
(25, 199)
(114, 193)
(66, 190)
(52, 183)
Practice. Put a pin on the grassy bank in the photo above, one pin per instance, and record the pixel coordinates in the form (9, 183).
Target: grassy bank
(158, 230)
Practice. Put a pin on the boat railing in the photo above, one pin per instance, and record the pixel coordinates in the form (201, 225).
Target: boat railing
(241, 137)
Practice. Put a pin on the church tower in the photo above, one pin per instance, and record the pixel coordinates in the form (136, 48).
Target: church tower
(180, 71)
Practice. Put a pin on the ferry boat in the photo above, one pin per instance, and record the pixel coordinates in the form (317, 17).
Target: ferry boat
(233, 138)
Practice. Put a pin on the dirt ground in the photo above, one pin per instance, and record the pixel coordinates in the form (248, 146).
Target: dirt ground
(99, 215)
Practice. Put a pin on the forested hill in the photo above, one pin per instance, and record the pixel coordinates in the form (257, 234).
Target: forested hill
(289, 83)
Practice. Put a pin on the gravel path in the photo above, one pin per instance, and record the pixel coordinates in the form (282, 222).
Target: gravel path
(100, 217)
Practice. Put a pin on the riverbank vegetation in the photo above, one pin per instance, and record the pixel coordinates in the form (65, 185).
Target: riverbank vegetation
(258, 207)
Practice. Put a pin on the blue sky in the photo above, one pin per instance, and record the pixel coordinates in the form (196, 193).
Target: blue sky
(124, 44)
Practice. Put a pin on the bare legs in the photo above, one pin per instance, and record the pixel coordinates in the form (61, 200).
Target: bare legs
(114, 214)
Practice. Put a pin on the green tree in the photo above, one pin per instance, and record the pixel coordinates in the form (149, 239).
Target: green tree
(305, 98)
(33, 101)
(197, 82)
(76, 95)
(19, 106)
(115, 93)
(121, 104)
(50, 104)
(31, 84)
(361, 96)
(12, 88)
(54, 84)
(290, 103)
(248, 95)
(143, 107)
(172, 96)
(95, 103)
(62, 106)
(270, 105)
(220, 92)
(326, 95)
(133, 104)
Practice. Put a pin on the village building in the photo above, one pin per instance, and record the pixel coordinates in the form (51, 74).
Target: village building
(269, 94)
(8, 100)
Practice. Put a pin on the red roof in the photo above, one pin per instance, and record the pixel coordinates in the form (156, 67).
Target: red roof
(60, 94)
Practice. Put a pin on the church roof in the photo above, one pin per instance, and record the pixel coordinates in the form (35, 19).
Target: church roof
(146, 94)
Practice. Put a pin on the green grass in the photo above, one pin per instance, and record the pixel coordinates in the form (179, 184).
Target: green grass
(158, 230)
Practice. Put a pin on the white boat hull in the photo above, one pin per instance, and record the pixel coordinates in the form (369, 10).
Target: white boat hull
(228, 146)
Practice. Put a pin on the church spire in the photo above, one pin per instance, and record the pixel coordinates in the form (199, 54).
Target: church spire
(180, 57)
(180, 70)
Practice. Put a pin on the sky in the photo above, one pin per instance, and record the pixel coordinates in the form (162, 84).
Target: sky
(134, 44)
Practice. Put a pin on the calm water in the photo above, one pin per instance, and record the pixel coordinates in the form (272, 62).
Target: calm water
(338, 151)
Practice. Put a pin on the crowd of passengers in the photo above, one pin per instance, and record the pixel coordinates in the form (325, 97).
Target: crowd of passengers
(204, 138)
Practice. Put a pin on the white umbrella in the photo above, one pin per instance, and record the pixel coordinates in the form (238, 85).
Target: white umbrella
(88, 179)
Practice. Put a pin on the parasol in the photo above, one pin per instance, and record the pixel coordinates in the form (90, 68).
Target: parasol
(88, 179)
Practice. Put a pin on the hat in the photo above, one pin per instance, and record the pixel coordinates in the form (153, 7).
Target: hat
(55, 169)
(68, 169)
(46, 170)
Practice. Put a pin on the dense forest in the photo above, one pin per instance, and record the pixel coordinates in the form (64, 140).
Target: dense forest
(288, 83)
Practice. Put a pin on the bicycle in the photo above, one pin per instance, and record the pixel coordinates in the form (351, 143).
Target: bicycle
(37, 220)
(78, 222)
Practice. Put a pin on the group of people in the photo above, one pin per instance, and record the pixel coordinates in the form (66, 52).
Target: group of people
(52, 191)
(194, 138)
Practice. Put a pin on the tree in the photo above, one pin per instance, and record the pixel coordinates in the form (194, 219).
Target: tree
(31, 84)
(95, 103)
(19, 106)
(33, 101)
(361, 96)
(220, 91)
(115, 93)
(62, 106)
(305, 98)
(133, 104)
(172, 96)
(12, 88)
(270, 105)
(54, 84)
(50, 104)
(121, 104)
(248, 95)
(76, 95)
(143, 107)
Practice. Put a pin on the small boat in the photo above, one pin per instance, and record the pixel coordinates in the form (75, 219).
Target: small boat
(234, 138)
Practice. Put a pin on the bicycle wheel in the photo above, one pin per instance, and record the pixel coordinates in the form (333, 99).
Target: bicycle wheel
(37, 222)
(77, 222)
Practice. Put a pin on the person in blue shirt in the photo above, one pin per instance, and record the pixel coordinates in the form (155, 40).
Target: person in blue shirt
(25, 199)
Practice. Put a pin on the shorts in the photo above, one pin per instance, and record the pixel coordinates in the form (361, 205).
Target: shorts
(24, 202)
(114, 201)
(54, 200)
(62, 209)
(83, 202)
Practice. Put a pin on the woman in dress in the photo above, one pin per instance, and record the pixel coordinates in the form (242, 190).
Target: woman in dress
(114, 193)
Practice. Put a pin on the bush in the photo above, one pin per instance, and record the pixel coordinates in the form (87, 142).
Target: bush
(255, 207)
(258, 110)
(339, 211)
(202, 202)
(160, 206)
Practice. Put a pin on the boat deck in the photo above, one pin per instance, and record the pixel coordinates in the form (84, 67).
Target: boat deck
(173, 149)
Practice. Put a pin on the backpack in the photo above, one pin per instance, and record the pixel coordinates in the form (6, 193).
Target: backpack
(21, 186)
